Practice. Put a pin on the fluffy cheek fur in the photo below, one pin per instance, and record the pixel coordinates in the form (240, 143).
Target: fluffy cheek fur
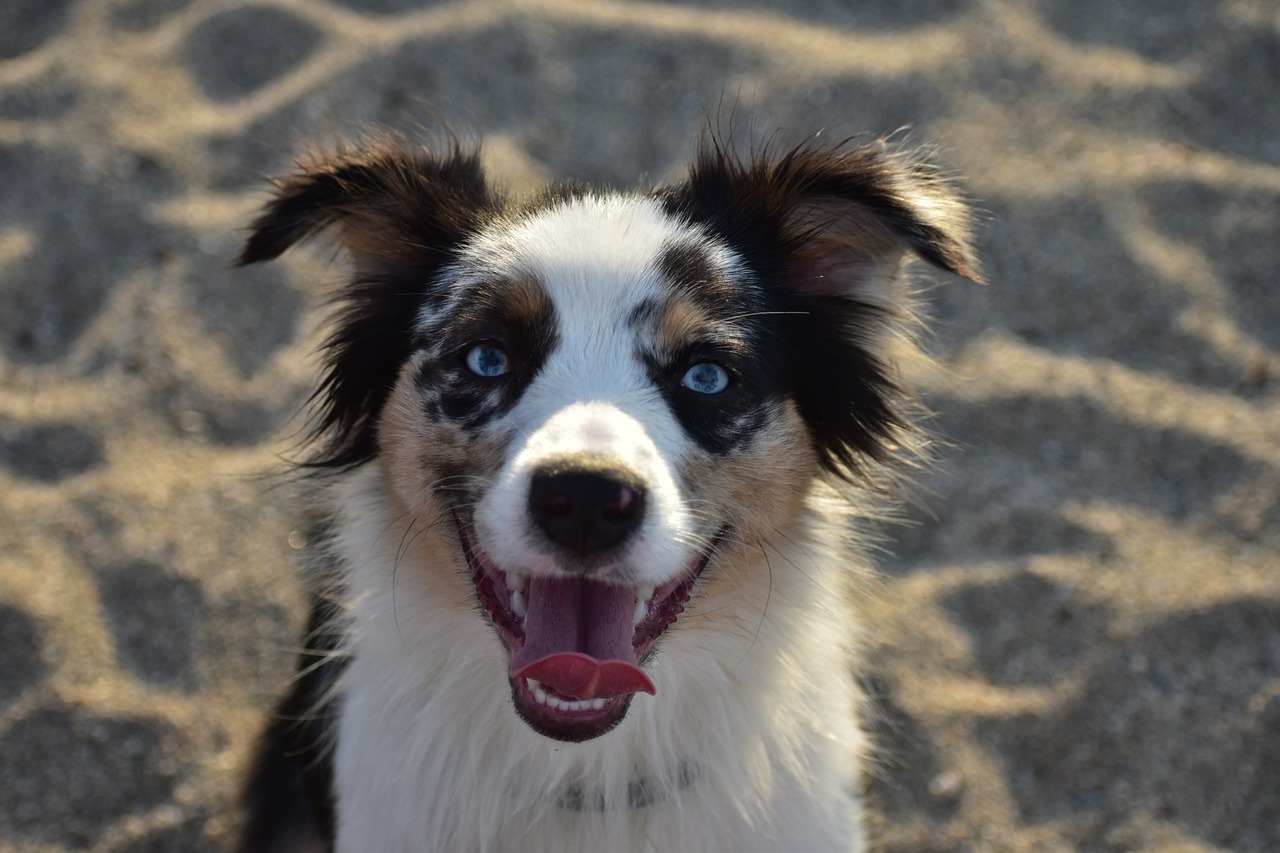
(765, 481)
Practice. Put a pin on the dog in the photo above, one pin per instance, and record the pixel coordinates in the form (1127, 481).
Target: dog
(590, 467)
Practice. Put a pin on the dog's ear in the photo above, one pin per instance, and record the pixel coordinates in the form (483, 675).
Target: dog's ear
(836, 217)
(401, 215)
(389, 203)
(827, 232)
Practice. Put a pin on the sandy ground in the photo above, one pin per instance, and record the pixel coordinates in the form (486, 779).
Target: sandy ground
(1081, 627)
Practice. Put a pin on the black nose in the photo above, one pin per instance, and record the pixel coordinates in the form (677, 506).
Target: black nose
(585, 506)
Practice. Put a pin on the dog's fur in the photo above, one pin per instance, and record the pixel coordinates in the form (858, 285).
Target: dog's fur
(486, 350)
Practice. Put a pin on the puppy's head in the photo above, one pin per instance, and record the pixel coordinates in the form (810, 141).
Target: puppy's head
(604, 394)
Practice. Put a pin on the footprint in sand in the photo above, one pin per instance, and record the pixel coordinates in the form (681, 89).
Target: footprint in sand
(235, 53)
(48, 453)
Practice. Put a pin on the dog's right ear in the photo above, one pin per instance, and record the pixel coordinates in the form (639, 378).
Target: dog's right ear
(402, 216)
(389, 203)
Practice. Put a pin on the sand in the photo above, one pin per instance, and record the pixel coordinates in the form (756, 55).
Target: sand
(1079, 630)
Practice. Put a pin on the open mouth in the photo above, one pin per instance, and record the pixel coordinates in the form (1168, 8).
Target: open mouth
(576, 644)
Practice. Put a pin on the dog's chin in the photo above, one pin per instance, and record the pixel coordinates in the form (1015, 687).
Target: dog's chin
(536, 706)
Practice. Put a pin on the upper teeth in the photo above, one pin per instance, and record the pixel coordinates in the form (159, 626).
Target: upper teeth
(515, 584)
(520, 608)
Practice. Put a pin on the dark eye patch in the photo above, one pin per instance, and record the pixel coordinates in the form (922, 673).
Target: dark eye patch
(515, 315)
(678, 333)
(724, 421)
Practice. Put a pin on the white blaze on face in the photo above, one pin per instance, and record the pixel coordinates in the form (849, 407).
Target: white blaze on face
(597, 260)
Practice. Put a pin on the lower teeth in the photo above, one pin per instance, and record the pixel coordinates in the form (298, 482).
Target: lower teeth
(559, 703)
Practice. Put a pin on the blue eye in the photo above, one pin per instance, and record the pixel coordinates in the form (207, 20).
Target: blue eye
(488, 360)
(706, 378)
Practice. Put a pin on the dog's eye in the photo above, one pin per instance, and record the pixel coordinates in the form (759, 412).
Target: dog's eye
(488, 359)
(706, 378)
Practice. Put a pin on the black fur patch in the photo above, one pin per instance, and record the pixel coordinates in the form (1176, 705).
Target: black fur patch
(691, 273)
(289, 797)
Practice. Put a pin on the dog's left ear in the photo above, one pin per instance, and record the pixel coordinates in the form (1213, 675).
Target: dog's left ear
(836, 219)
(826, 233)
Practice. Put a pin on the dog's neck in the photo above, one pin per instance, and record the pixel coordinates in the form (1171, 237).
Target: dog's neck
(642, 792)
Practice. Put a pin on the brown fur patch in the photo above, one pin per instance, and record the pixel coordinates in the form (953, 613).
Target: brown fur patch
(764, 486)
(680, 321)
(518, 303)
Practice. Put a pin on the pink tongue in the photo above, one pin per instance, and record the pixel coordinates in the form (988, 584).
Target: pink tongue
(577, 639)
